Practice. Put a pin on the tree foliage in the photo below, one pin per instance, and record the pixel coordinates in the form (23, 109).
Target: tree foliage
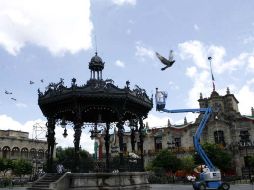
(218, 155)
(250, 161)
(188, 163)
(22, 167)
(5, 165)
(65, 156)
(18, 167)
(167, 160)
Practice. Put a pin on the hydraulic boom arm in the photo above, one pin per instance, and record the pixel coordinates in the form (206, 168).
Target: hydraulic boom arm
(160, 106)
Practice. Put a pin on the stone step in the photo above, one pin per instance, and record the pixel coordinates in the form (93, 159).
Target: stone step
(43, 183)
(38, 188)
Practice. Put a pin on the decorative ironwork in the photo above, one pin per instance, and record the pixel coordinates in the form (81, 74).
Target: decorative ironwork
(51, 143)
(141, 140)
(97, 101)
(107, 140)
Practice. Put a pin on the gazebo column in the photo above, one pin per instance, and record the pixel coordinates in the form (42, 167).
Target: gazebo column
(51, 143)
(133, 139)
(120, 137)
(107, 139)
(141, 139)
(77, 133)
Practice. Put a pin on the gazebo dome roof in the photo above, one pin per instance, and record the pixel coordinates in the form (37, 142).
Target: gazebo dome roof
(96, 63)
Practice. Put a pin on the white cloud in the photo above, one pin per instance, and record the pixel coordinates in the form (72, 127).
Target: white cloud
(194, 50)
(173, 85)
(245, 98)
(201, 83)
(60, 25)
(248, 40)
(21, 105)
(120, 63)
(201, 77)
(155, 121)
(7, 122)
(250, 66)
(122, 2)
(199, 53)
(191, 71)
(143, 53)
(196, 27)
(85, 140)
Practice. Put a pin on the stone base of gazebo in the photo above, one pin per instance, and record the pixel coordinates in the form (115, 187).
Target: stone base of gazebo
(102, 181)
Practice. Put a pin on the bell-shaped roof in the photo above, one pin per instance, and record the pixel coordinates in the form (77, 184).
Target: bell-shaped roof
(96, 63)
(214, 94)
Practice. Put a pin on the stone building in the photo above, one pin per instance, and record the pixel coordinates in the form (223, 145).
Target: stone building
(18, 145)
(230, 129)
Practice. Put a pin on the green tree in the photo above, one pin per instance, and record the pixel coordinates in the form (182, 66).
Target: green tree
(188, 163)
(22, 167)
(218, 155)
(251, 161)
(65, 156)
(167, 160)
(5, 165)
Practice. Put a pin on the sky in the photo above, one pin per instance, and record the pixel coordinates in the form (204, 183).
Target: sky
(53, 39)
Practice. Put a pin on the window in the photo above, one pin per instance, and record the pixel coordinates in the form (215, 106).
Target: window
(158, 143)
(6, 152)
(219, 138)
(245, 138)
(24, 153)
(33, 153)
(15, 152)
(178, 142)
(40, 154)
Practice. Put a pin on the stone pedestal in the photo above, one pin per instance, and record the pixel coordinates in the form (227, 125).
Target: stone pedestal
(102, 181)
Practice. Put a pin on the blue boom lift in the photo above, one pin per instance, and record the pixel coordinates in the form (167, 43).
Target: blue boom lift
(210, 178)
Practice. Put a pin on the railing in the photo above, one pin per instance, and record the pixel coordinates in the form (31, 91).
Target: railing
(176, 150)
(129, 165)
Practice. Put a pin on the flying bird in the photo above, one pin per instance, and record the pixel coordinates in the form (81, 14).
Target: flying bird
(14, 99)
(31, 82)
(168, 62)
(42, 80)
(7, 92)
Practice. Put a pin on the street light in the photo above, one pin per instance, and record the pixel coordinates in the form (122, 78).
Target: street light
(65, 134)
(63, 125)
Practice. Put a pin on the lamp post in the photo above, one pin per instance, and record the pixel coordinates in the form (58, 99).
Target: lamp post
(63, 125)
(245, 141)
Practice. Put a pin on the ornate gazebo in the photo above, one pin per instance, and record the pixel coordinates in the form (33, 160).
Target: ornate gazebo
(97, 101)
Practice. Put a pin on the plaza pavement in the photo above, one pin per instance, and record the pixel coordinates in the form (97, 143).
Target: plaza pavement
(169, 187)
(189, 187)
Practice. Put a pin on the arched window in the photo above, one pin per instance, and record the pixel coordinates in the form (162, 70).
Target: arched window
(15, 153)
(158, 143)
(6, 152)
(24, 153)
(40, 154)
(219, 137)
(33, 153)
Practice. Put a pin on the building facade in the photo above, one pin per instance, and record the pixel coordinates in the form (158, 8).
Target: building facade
(17, 145)
(230, 129)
